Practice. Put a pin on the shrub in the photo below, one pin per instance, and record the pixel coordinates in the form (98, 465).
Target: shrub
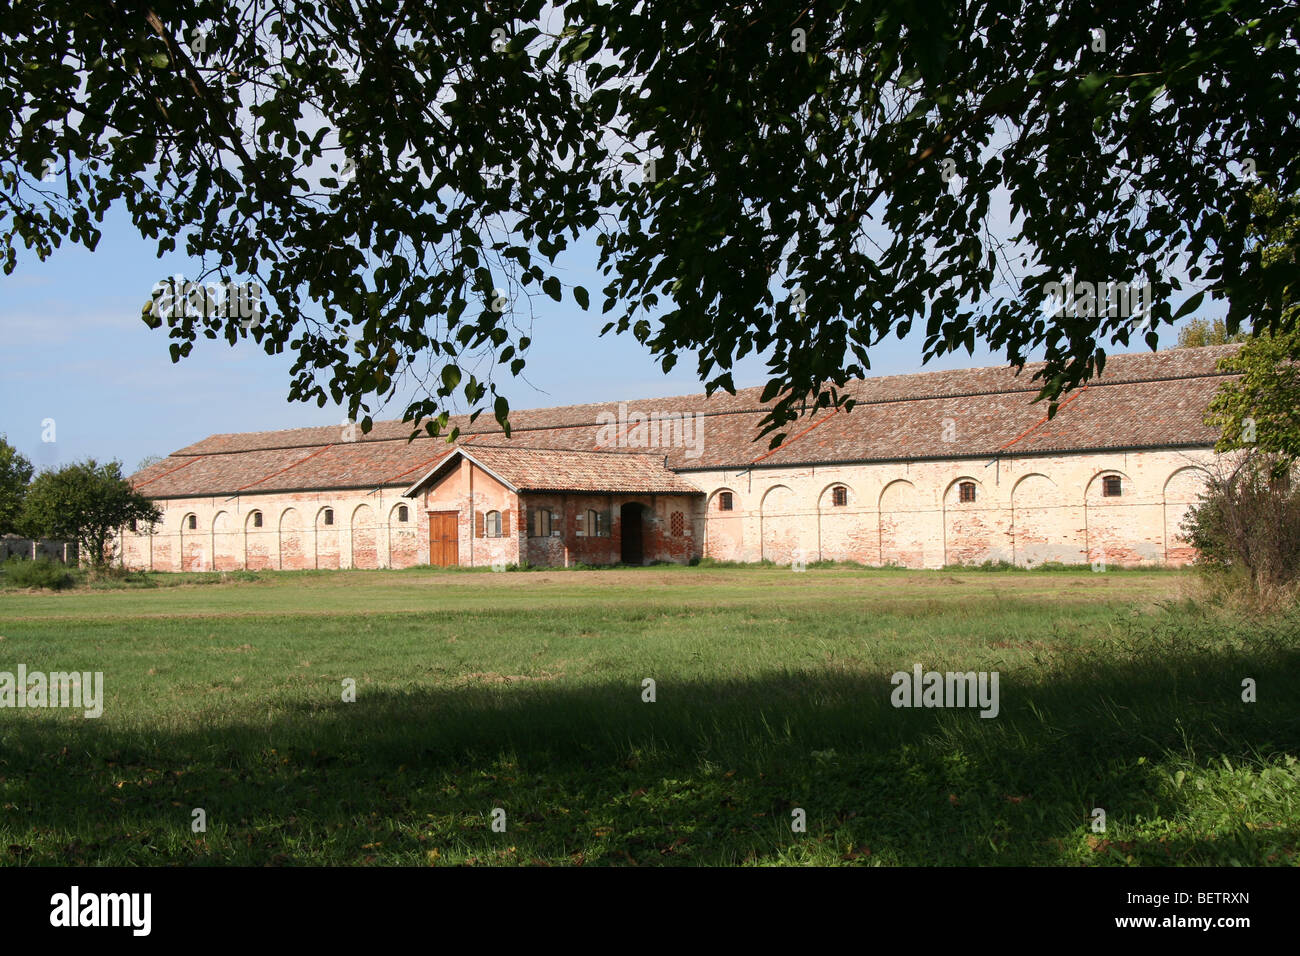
(990, 565)
(108, 573)
(98, 581)
(40, 573)
(1246, 528)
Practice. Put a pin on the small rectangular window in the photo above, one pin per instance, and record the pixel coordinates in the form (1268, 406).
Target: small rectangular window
(724, 501)
(257, 519)
(193, 522)
(134, 526)
(1111, 486)
(329, 515)
(839, 496)
(967, 489)
(403, 514)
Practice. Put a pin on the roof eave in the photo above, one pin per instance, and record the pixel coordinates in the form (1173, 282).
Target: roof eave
(967, 456)
(607, 491)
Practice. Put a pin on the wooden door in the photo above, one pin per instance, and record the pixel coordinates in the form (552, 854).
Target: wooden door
(444, 549)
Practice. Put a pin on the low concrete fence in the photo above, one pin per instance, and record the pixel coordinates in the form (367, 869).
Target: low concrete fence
(32, 548)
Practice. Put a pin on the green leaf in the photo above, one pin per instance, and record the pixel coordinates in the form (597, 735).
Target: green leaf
(1091, 83)
(1191, 305)
(575, 51)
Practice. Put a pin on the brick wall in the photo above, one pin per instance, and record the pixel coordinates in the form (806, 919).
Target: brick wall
(294, 533)
(662, 537)
(28, 548)
(474, 494)
(1027, 510)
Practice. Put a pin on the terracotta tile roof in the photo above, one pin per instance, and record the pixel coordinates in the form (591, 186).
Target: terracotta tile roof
(1143, 400)
(349, 465)
(529, 469)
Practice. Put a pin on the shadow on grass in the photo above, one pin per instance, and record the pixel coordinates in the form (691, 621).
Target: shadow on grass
(710, 773)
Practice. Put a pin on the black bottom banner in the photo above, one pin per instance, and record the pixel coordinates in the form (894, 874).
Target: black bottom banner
(335, 905)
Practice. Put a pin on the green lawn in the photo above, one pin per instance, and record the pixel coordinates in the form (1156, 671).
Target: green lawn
(523, 691)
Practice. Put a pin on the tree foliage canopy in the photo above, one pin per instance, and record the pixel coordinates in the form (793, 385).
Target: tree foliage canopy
(1199, 333)
(1260, 409)
(85, 502)
(15, 473)
(768, 177)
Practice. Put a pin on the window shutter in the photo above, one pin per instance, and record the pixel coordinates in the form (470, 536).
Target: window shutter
(505, 524)
(478, 524)
(555, 530)
(531, 522)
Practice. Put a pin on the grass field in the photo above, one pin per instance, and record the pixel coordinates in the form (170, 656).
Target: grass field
(523, 691)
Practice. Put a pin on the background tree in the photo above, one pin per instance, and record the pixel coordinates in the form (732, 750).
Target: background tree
(1198, 333)
(15, 473)
(1260, 410)
(148, 460)
(88, 503)
(767, 177)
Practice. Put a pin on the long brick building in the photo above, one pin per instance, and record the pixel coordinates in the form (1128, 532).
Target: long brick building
(928, 469)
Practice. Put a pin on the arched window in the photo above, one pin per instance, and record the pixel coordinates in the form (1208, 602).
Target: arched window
(328, 517)
(966, 491)
(725, 502)
(839, 496)
(257, 519)
(403, 513)
(192, 522)
(494, 524)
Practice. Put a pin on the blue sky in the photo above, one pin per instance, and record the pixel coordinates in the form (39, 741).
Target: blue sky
(77, 353)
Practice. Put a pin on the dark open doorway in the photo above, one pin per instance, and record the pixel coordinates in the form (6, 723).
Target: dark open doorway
(630, 529)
